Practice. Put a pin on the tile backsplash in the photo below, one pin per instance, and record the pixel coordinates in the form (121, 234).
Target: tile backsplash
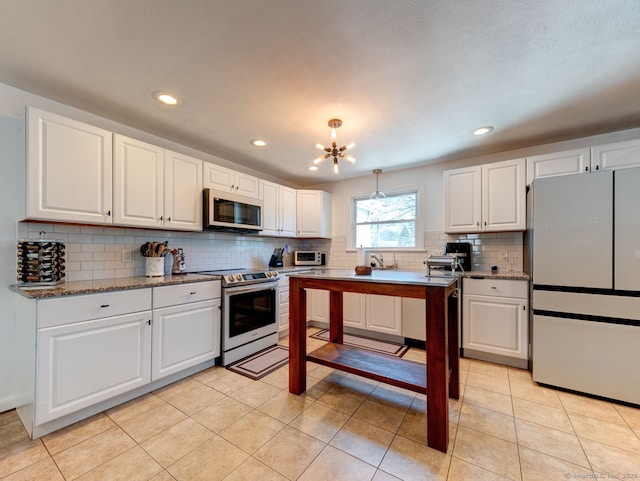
(94, 252)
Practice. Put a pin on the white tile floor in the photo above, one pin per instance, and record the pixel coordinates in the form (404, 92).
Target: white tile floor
(218, 425)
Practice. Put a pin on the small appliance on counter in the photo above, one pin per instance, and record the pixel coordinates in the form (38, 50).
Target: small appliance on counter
(40, 262)
(179, 266)
(462, 250)
(308, 258)
(276, 257)
(449, 261)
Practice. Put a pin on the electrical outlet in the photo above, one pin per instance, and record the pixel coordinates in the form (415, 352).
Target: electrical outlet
(506, 257)
(126, 255)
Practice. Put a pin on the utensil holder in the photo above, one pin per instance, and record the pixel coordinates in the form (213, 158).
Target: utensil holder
(154, 266)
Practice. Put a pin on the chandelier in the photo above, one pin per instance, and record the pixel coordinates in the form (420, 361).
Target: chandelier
(334, 151)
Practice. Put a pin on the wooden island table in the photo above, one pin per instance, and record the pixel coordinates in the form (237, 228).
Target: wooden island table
(438, 379)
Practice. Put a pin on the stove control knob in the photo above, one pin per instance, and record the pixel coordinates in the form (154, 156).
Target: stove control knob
(274, 274)
(238, 277)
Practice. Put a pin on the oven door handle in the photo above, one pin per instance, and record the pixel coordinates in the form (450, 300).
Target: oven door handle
(258, 286)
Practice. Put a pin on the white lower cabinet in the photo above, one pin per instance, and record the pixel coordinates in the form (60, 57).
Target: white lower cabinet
(283, 292)
(186, 326)
(83, 363)
(83, 354)
(184, 336)
(495, 323)
(362, 311)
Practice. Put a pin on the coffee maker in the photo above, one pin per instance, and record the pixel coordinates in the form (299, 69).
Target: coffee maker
(463, 251)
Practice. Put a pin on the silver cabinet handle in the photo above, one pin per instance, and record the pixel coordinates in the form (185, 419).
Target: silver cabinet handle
(193, 293)
(103, 306)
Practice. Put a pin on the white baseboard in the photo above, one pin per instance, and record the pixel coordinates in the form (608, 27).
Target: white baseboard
(7, 403)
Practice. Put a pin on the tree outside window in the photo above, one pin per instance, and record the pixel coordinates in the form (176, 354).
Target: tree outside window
(389, 222)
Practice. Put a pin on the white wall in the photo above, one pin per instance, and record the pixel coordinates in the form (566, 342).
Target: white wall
(8, 153)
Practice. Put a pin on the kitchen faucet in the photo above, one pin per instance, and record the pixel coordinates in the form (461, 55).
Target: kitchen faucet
(378, 258)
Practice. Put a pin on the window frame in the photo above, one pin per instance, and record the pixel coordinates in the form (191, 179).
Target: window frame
(419, 222)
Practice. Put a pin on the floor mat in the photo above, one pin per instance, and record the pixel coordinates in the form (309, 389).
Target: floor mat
(261, 363)
(375, 345)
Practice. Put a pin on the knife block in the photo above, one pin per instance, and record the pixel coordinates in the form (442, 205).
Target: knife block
(275, 261)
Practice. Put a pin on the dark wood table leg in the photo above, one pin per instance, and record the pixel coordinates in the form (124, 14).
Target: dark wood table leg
(336, 328)
(454, 347)
(437, 370)
(297, 337)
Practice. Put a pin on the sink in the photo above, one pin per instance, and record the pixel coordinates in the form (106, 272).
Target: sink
(386, 268)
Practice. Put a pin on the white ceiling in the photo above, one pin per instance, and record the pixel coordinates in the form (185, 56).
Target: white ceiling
(410, 79)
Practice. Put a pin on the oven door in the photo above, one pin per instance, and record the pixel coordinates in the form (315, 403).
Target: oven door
(250, 313)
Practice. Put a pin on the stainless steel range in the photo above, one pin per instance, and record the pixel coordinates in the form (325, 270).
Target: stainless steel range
(249, 312)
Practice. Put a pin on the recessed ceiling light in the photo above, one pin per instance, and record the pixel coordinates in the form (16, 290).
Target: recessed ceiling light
(166, 98)
(483, 130)
(258, 142)
(313, 168)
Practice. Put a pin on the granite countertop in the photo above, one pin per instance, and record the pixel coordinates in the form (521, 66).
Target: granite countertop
(390, 276)
(513, 276)
(74, 288)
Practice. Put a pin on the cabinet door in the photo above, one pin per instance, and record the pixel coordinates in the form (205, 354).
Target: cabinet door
(184, 336)
(462, 200)
(182, 192)
(245, 184)
(69, 170)
(83, 363)
(504, 196)
(287, 211)
(384, 314)
(227, 180)
(559, 163)
(619, 155)
(138, 183)
(269, 197)
(353, 310)
(313, 213)
(318, 305)
(496, 325)
(283, 292)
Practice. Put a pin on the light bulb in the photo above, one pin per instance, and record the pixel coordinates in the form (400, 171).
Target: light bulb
(333, 134)
(320, 146)
(336, 169)
(350, 146)
(317, 160)
(350, 158)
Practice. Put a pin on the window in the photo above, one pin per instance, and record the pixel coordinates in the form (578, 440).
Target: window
(390, 222)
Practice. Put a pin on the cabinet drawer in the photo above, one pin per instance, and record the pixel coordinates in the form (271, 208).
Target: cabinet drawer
(65, 310)
(496, 287)
(164, 296)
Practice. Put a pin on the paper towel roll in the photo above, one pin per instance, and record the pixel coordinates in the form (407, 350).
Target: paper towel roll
(362, 257)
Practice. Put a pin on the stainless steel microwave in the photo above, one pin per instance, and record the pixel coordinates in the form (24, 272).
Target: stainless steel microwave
(307, 258)
(232, 212)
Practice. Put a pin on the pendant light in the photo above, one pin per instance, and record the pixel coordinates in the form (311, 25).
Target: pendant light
(377, 194)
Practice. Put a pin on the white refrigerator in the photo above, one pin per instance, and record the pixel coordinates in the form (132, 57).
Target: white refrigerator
(584, 259)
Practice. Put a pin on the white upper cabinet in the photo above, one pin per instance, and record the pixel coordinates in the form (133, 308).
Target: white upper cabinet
(138, 186)
(618, 155)
(486, 198)
(279, 209)
(504, 196)
(462, 199)
(154, 187)
(182, 192)
(228, 180)
(68, 170)
(561, 163)
(313, 213)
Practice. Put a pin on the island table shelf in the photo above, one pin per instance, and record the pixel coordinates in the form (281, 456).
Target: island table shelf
(438, 378)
